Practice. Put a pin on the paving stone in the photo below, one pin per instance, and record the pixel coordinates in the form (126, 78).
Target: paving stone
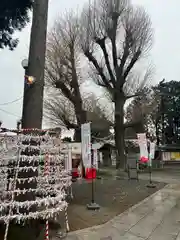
(158, 218)
(130, 236)
(146, 225)
(73, 237)
(178, 237)
(108, 231)
(106, 238)
(169, 228)
(125, 222)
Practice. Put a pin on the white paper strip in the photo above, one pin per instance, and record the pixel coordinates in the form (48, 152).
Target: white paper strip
(69, 159)
(101, 157)
(86, 144)
(95, 158)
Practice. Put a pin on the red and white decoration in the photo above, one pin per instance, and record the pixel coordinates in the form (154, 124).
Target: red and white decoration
(142, 140)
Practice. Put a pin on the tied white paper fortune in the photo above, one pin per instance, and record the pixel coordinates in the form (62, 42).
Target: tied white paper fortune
(50, 192)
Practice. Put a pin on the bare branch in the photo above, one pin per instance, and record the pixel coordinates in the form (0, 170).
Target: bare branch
(63, 66)
(142, 110)
(98, 105)
(101, 43)
(116, 21)
(106, 81)
(63, 55)
(136, 81)
(59, 111)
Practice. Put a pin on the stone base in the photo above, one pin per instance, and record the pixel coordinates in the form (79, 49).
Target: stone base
(151, 185)
(93, 206)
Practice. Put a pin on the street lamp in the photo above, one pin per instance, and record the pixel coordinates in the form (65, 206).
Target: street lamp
(24, 64)
(29, 80)
(28, 84)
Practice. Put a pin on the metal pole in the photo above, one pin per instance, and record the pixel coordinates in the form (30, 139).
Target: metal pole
(150, 185)
(163, 119)
(150, 175)
(92, 206)
(92, 183)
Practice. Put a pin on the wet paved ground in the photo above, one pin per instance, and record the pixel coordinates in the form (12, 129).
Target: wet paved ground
(113, 196)
(155, 218)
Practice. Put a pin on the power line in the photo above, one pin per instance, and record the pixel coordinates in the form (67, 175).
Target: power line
(12, 114)
(7, 103)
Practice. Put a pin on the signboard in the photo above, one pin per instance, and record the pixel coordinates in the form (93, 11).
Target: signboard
(171, 156)
(86, 144)
(175, 156)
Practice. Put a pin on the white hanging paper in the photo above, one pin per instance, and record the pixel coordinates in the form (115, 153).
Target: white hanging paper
(152, 152)
(95, 158)
(86, 144)
(143, 145)
(152, 149)
(101, 157)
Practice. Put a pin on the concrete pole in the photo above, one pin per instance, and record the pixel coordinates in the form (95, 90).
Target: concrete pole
(33, 95)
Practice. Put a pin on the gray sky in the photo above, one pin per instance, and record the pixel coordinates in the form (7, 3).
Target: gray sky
(165, 53)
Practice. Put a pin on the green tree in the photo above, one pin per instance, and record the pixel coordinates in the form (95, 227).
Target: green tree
(168, 122)
(158, 110)
(13, 16)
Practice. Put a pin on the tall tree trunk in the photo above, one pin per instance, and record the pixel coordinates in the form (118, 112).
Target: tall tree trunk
(81, 118)
(119, 131)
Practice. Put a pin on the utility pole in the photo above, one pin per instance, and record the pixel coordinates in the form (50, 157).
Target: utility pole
(33, 94)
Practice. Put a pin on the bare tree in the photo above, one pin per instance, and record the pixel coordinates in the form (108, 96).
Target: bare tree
(63, 68)
(114, 36)
(99, 105)
(58, 110)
